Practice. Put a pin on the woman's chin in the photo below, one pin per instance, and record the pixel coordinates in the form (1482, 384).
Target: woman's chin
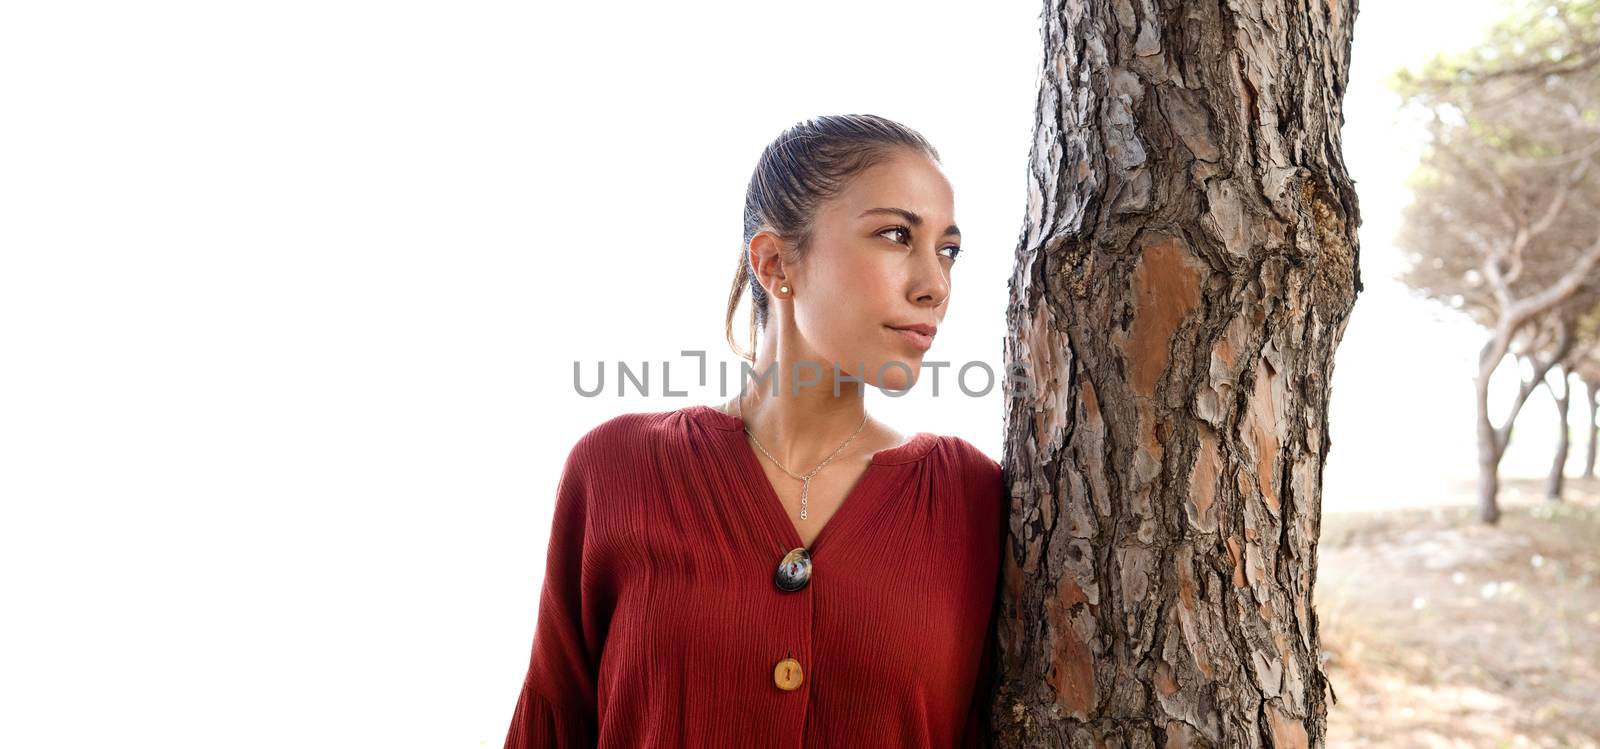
(897, 374)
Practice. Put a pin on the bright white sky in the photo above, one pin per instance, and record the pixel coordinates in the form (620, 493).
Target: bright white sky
(291, 295)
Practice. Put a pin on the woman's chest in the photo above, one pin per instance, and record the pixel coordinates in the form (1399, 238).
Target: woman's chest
(898, 597)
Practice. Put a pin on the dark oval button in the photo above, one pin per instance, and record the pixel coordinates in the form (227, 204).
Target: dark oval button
(794, 571)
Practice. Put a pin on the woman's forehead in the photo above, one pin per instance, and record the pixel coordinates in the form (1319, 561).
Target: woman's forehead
(914, 185)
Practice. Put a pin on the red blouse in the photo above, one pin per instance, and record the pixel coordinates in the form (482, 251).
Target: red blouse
(659, 624)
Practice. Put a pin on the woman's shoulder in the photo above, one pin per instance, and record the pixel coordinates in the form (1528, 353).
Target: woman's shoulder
(968, 456)
(978, 478)
(621, 426)
(623, 434)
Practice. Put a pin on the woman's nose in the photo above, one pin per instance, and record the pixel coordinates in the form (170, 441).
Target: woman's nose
(933, 285)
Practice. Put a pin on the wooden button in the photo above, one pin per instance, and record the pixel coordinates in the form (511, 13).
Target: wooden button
(787, 675)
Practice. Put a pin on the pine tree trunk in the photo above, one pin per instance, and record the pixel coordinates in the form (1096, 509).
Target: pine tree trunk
(1555, 484)
(1493, 441)
(1186, 271)
(1589, 388)
(1491, 448)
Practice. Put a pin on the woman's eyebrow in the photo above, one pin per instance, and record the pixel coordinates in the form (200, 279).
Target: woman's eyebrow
(910, 217)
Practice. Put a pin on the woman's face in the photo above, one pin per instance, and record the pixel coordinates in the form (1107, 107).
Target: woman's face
(880, 258)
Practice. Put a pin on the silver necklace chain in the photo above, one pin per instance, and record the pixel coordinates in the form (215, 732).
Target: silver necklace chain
(805, 481)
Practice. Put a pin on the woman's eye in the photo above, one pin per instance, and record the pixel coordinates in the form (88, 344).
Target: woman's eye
(954, 250)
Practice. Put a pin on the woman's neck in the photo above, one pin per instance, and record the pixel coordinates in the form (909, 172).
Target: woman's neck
(794, 414)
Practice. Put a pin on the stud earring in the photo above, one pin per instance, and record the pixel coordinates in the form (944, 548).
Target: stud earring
(784, 288)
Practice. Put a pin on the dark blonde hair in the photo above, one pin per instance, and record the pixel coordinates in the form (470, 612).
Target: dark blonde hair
(810, 162)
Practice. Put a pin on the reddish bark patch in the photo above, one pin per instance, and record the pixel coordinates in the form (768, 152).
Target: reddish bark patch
(1166, 288)
(1179, 735)
(1185, 587)
(1072, 665)
(1043, 347)
(1238, 565)
(1188, 616)
(1165, 681)
(1072, 675)
(1069, 594)
(1202, 660)
(1287, 731)
(1152, 448)
(1263, 422)
(1227, 349)
(1203, 482)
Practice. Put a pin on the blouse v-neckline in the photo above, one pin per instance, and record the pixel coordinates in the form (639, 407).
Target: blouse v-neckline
(772, 505)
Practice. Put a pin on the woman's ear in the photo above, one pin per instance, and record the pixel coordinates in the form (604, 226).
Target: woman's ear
(766, 257)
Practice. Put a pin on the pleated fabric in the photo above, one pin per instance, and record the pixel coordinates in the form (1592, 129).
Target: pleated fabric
(659, 624)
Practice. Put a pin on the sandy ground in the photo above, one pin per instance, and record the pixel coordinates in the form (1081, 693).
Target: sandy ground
(1439, 631)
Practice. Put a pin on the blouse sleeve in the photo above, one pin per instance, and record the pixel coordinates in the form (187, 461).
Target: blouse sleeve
(556, 707)
(977, 730)
(987, 483)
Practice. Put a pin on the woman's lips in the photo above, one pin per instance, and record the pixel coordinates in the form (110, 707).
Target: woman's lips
(920, 341)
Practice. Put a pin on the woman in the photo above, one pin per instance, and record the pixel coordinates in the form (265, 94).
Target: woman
(782, 570)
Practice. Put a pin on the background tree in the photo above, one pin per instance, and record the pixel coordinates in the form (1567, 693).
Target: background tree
(1538, 40)
(1584, 313)
(1588, 372)
(1504, 221)
(1557, 480)
(1186, 269)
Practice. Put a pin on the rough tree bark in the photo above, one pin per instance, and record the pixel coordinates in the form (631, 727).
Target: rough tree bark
(1185, 273)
